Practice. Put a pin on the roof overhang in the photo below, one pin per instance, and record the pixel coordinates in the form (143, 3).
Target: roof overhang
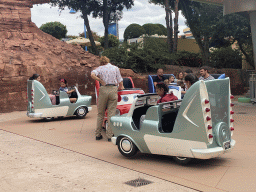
(233, 6)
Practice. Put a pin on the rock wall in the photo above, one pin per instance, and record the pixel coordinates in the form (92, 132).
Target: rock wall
(25, 49)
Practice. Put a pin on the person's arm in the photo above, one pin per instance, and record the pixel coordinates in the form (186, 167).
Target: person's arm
(120, 86)
(119, 79)
(68, 92)
(93, 75)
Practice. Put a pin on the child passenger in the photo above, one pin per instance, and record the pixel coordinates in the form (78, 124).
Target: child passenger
(171, 79)
(162, 91)
(63, 87)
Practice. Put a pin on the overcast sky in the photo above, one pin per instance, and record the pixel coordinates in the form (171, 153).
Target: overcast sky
(142, 12)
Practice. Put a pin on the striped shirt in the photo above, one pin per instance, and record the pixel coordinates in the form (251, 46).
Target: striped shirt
(110, 74)
(208, 78)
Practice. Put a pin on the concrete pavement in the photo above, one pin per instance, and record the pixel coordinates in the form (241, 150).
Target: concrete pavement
(234, 171)
(30, 165)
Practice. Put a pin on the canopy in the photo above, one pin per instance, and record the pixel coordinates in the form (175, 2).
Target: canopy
(82, 41)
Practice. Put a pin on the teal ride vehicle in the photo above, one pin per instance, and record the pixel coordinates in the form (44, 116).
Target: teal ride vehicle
(40, 106)
(200, 126)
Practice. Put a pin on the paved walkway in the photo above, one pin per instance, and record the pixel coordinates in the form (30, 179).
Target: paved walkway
(30, 165)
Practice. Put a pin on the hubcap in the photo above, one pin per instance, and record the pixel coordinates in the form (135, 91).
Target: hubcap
(81, 111)
(126, 145)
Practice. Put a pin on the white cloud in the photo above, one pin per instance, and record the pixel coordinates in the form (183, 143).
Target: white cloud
(142, 12)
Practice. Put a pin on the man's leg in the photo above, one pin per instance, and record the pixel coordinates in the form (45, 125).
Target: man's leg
(112, 103)
(102, 104)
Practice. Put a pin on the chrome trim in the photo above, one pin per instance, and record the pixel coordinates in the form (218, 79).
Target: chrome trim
(34, 114)
(113, 140)
(211, 152)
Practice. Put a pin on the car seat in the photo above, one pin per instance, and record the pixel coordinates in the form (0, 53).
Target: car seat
(151, 87)
(176, 90)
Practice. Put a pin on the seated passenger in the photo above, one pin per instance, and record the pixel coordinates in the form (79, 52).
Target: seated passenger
(160, 77)
(190, 79)
(171, 79)
(38, 78)
(162, 91)
(63, 87)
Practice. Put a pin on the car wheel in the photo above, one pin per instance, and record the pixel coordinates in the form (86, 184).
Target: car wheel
(127, 147)
(182, 160)
(47, 119)
(81, 112)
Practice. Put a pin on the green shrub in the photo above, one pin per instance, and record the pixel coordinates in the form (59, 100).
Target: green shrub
(185, 58)
(226, 58)
(56, 29)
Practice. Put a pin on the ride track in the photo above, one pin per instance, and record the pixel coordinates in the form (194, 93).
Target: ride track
(234, 171)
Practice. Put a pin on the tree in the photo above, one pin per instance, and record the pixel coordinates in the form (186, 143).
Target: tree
(113, 41)
(152, 29)
(133, 31)
(170, 5)
(86, 7)
(111, 10)
(202, 19)
(56, 29)
(235, 28)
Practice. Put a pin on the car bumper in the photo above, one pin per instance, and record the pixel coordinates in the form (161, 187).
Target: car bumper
(113, 140)
(35, 115)
(212, 152)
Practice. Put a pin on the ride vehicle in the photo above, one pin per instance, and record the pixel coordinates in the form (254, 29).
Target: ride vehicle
(125, 97)
(199, 126)
(40, 106)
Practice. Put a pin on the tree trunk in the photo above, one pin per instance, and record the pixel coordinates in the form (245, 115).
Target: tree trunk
(247, 57)
(105, 22)
(206, 51)
(86, 23)
(168, 19)
(176, 27)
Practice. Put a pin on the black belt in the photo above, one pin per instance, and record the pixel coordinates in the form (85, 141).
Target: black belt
(110, 85)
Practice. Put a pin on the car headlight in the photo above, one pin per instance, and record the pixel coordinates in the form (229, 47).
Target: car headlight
(117, 112)
(125, 98)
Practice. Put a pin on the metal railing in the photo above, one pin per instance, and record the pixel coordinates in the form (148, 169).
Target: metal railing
(252, 84)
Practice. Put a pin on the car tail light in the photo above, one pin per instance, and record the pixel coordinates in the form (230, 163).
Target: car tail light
(232, 104)
(32, 90)
(208, 118)
(232, 129)
(209, 127)
(231, 120)
(232, 112)
(232, 97)
(210, 136)
(206, 101)
(207, 110)
(32, 94)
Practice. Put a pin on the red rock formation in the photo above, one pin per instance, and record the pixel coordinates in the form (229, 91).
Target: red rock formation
(25, 49)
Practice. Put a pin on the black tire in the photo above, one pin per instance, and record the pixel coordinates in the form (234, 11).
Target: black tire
(182, 160)
(81, 112)
(47, 119)
(126, 147)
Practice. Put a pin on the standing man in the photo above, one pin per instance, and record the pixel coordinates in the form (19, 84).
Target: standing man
(109, 77)
(204, 72)
(160, 77)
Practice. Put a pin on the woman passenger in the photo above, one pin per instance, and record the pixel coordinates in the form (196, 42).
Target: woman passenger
(38, 78)
(162, 91)
(63, 87)
(190, 79)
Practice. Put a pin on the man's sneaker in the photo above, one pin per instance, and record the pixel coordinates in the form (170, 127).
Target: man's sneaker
(99, 138)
